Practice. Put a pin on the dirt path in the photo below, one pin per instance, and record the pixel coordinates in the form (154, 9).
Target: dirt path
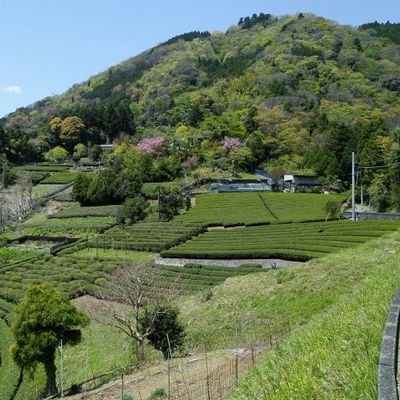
(188, 378)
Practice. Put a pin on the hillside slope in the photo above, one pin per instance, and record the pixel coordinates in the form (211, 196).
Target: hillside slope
(280, 85)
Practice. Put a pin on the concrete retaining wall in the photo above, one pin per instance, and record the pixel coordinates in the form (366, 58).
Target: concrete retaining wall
(363, 216)
(387, 371)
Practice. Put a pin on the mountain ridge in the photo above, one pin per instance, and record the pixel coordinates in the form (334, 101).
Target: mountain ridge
(281, 85)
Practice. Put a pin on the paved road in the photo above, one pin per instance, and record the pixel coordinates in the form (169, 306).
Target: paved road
(266, 263)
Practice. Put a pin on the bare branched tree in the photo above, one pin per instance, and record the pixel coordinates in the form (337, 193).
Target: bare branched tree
(18, 202)
(134, 298)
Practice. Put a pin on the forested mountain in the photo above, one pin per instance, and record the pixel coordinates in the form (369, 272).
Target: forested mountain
(387, 29)
(299, 92)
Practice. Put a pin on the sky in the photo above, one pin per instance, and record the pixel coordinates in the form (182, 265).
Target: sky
(46, 46)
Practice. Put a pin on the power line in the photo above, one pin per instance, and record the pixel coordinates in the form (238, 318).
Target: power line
(378, 166)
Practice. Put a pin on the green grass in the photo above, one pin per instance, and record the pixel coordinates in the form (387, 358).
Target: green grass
(256, 208)
(259, 305)
(97, 347)
(94, 211)
(336, 355)
(8, 371)
(287, 241)
(62, 177)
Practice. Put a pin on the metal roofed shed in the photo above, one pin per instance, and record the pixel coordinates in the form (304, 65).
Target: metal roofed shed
(291, 182)
(106, 147)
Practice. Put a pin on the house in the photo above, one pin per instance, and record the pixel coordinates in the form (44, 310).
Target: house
(291, 182)
(106, 147)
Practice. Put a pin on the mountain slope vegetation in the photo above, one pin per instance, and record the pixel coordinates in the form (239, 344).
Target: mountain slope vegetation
(299, 92)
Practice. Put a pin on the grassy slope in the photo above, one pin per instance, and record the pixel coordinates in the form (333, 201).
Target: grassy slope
(334, 356)
(99, 342)
(8, 376)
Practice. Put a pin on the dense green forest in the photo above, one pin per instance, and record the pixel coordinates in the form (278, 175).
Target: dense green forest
(388, 30)
(298, 93)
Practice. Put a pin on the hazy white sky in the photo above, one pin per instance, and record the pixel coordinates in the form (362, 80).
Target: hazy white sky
(48, 45)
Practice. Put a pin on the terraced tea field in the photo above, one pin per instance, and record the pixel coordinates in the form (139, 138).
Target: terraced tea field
(74, 276)
(93, 211)
(146, 236)
(287, 241)
(69, 227)
(193, 277)
(42, 168)
(62, 177)
(257, 208)
(81, 272)
(43, 189)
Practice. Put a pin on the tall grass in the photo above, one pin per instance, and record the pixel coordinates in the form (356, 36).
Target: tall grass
(335, 356)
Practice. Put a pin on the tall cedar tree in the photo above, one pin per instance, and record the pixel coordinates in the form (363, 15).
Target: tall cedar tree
(44, 318)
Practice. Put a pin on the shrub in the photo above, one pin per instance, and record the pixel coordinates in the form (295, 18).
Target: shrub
(159, 393)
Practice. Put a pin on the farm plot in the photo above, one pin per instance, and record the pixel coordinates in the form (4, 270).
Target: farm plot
(193, 277)
(62, 177)
(227, 209)
(95, 211)
(145, 236)
(42, 168)
(80, 273)
(256, 208)
(297, 207)
(187, 279)
(10, 255)
(69, 227)
(72, 275)
(43, 189)
(286, 241)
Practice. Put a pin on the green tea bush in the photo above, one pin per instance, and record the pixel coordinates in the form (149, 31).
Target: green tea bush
(297, 242)
(251, 209)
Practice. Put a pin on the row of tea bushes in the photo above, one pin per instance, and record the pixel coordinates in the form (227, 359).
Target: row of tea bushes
(152, 237)
(298, 242)
(231, 209)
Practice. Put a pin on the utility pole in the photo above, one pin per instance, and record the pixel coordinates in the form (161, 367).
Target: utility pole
(159, 200)
(362, 195)
(353, 188)
(3, 176)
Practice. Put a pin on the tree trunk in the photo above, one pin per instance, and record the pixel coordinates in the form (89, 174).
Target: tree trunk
(50, 368)
(141, 350)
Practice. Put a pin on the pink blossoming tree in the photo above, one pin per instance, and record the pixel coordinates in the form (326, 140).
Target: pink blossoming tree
(151, 145)
(232, 143)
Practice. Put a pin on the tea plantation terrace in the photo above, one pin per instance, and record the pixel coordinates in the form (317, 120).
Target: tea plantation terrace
(231, 209)
(297, 242)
